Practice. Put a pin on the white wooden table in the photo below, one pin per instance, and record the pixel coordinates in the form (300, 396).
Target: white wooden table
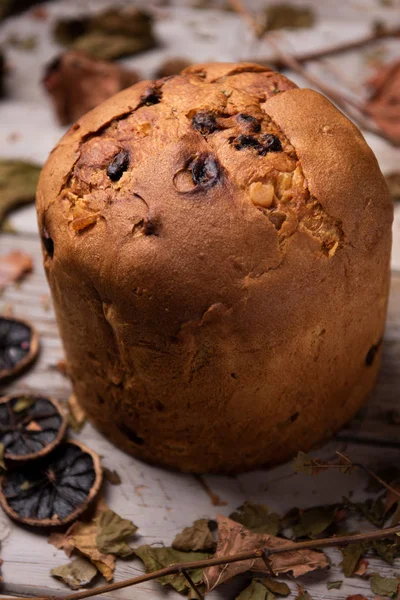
(162, 502)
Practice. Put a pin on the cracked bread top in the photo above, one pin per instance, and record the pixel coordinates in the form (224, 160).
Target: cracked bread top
(208, 174)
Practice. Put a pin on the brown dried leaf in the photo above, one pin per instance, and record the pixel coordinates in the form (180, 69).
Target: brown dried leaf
(384, 102)
(197, 537)
(18, 182)
(76, 415)
(279, 16)
(14, 266)
(393, 181)
(233, 538)
(76, 574)
(356, 597)
(111, 476)
(77, 83)
(362, 567)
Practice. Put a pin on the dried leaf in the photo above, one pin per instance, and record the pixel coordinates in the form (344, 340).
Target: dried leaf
(334, 585)
(256, 591)
(76, 415)
(112, 476)
(371, 509)
(77, 83)
(2, 463)
(257, 518)
(384, 586)
(280, 16)
(303, 595)
(76, 574)
(314, 521)
(14, 266)
(108, 35)
(82, 536)
(351, 555)
(23, 403)
(356, 597)
(384, 103)
(386, 549)
(198, 537)
(276, 587)
(304, 463)
(156, 558)
(393, 181)
(234, 538)
(362, 567)
(112, 533)
(18, 181)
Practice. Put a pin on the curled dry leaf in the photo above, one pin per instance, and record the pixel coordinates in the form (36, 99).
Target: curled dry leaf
(314, 521)
(384, 102)
(233, 538)
(197, 537)
(156, 558)
(334, 585)
(13, 267)
(108, 35)
(356, 597)
(77, 82)
(18, 182)
(75, 574)
(76, 415)
(257, 518)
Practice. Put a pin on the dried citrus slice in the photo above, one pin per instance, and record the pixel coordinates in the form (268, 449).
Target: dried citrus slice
(30, 426)
(19, 345)
(53, 490)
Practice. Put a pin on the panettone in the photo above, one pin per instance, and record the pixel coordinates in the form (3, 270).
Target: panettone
(217, 245)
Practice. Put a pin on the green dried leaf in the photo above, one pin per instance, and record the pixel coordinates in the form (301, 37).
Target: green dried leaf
(157, 558)
(373, 510)
(303, 595)
(256, 591)
(198, 537)
(279, 16)
(386, 549)
(304, 463)
(351, 555)
(76, 574)
(314, 521)
(113, 532)
(108, 35)
(384, 586)
(257, 518)
(393, 181)
(23, 403)
(276, 587)
(18, 181)
(334, 585)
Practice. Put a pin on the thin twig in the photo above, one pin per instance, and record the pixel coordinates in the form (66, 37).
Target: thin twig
(332, 50)
(192, 584)
(210, 562)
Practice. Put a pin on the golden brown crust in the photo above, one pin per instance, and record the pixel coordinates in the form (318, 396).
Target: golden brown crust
(218, 298)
